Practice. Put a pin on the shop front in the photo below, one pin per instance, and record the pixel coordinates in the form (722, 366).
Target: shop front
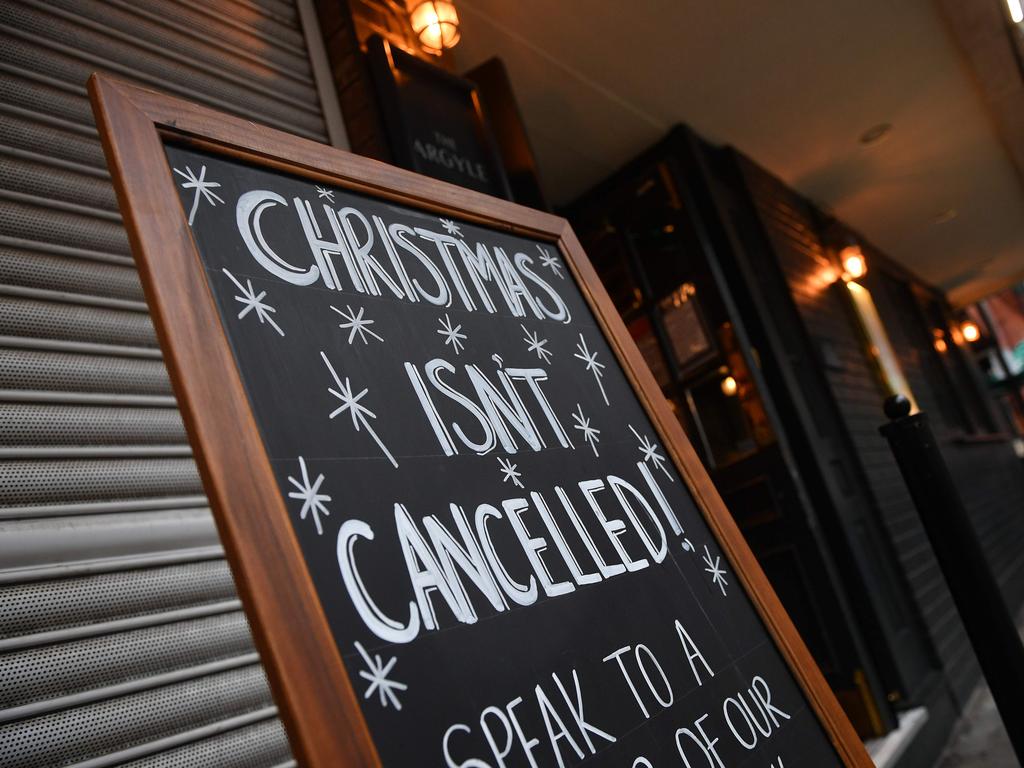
(125, 639)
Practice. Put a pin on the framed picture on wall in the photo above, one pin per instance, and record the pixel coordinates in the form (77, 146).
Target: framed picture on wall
(686, 329)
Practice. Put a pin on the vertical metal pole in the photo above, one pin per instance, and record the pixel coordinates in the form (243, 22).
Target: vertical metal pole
(975, 590)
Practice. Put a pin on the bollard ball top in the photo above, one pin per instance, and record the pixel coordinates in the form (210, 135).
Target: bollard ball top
(897, 407)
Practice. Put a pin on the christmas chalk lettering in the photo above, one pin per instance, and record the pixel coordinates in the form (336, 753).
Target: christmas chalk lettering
(511, 567)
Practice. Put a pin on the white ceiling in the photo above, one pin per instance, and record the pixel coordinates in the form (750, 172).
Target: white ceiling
(791, 84)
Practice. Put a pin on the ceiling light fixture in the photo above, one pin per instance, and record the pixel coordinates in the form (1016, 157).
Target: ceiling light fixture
(436, 24)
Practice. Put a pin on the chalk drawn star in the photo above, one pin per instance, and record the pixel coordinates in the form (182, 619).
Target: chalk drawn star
(590, 434)
(376, 673)
(451, 227)
(715, 569)
(350, 402)
(549, 260)
(779, 764)
(202, 189)
(650, 451)
(309, 494)
(590, 358)
(508, 469)
(536, 344)
(452, 334)
(323, 192)
(357, 323)
(250, 301)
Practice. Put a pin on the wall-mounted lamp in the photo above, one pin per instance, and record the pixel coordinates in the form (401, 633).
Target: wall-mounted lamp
(436, 24)
(970, 331)
(729, 386)
(855, 266)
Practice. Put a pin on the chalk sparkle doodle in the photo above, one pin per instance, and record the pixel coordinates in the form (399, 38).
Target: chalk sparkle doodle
(592, 365)
(715, 569)
(202, 189)
(350, 402)
(590, 434)
(309, 494)
(376, 673)
(356, 323)
(452, 334)
(250, 301)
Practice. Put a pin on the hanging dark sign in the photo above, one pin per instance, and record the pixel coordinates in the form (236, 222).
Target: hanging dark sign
(434, 121)
(466, 528)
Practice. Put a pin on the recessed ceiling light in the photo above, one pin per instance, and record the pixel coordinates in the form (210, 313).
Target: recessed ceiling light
(875, 133)
(947, 215)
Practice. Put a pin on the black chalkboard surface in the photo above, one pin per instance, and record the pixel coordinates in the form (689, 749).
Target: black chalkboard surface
(463, 522)
(512, 569)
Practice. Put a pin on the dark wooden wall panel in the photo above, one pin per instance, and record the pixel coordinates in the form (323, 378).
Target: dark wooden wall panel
(990, 478)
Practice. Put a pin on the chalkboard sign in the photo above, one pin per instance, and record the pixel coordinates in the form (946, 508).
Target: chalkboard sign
(466, 528)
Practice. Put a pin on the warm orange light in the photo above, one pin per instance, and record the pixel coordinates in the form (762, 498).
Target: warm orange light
(729, 386)
(680, 295)
(941, 346)
(970, 331)
(436, 24)
(854, 264)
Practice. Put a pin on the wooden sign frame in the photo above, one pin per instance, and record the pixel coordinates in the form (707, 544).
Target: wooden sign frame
(296, 646)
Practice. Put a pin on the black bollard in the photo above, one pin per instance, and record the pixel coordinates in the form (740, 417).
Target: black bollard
(975, 590)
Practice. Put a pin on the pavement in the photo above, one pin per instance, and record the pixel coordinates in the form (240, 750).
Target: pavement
(979, 739)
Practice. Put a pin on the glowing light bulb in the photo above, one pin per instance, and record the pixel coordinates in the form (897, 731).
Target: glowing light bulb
(436, 24)
(970, 331)
(1016, 11)
(729, 386)
(854, 264)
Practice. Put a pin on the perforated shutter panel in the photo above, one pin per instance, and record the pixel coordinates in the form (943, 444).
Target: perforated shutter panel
(121, 637)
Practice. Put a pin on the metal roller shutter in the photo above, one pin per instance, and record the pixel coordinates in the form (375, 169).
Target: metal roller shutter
(122, 641)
